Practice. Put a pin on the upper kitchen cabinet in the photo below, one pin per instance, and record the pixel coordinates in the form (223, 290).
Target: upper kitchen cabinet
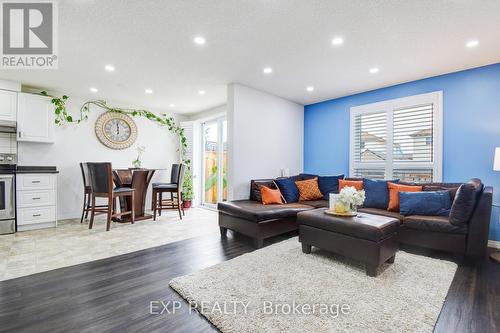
(35, 118)
(8, 106)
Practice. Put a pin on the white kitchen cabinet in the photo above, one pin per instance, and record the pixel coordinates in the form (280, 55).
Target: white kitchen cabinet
(35, 118)
(36, 201)
(8, 105)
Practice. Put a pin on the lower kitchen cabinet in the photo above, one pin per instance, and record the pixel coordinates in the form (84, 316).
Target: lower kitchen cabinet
(36, 201)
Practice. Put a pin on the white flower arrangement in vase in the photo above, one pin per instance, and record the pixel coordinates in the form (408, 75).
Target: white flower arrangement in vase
(137, 162)
(349, 199)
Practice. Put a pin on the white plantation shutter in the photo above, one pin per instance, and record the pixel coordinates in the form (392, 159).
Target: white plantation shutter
(187, 126)
(399, 138)
(370, 136)
(191, 131)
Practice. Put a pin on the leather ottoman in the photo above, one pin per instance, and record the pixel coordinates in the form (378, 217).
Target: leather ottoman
(371, 239)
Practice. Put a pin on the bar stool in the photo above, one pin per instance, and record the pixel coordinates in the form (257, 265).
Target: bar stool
(101, 180)
(175, 190)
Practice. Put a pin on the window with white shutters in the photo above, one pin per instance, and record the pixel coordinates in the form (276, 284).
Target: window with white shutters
(399, 138)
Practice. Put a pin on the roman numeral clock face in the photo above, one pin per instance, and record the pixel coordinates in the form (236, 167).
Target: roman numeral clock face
(116, 130)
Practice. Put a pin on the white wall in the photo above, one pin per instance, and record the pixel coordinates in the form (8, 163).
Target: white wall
(265, 135)
(78, 143)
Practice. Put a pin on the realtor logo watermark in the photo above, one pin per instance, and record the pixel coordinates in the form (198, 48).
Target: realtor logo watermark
(29, 35)
(240, 307)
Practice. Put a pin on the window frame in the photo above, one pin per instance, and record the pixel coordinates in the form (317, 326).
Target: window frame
(389, 106)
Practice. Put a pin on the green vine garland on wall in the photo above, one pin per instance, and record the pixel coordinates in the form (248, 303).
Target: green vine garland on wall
(62, 117)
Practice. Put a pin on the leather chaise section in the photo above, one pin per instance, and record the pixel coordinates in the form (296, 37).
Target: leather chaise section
(256, 212)
(433, 223)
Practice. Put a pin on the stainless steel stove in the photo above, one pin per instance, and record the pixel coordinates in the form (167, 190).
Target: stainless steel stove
(8, 161)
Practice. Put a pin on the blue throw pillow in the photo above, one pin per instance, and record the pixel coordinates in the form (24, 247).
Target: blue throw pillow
(377, 193)
(288, 189)
(329, 184)
(430, 203)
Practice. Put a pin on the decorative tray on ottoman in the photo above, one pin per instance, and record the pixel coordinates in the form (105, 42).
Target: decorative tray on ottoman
(346, 214)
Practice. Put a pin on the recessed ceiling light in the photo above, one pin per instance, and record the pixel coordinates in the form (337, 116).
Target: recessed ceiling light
(94, 90)
(374, 70)
(267, 70)
(337, 41)
(202, 92)
(172, 105)
(472, 43)
(148, 91)
(199, 40)
(109, 68)
(310, 88)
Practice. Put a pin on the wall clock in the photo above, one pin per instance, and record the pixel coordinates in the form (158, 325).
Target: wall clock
(116, 130)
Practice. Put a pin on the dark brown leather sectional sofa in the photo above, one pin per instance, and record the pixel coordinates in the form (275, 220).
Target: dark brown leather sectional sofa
(259, 221)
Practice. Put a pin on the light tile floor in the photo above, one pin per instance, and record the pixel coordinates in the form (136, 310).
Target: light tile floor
(72, 243)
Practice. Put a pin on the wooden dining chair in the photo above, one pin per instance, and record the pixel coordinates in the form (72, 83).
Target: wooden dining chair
(87, 191)
(101, 182)
(175, 190)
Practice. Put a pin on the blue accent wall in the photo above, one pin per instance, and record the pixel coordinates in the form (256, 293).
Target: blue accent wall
(471, 111)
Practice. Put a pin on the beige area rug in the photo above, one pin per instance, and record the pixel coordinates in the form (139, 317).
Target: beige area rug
(333, 294)
(72, 243)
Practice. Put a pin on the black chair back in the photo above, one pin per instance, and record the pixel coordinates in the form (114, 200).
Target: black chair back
(174, 174)
(182, 172)
(85, 174)
(101, 178)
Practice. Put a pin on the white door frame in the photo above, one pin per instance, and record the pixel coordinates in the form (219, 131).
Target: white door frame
(219, 120)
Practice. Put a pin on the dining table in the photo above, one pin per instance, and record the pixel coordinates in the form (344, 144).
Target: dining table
(138, 179)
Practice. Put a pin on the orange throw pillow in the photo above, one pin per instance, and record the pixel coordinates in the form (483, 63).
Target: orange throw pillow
(394, 190)
(357, 184)
(309, 189)
(270, 196)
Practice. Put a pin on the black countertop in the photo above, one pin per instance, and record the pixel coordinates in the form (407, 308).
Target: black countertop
(36, 169)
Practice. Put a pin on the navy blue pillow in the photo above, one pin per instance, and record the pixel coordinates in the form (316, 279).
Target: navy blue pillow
(288, 189)
(377, 193)
(329, 184)
(433, 203)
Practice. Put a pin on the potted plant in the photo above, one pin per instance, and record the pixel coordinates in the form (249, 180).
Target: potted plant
(187, 189)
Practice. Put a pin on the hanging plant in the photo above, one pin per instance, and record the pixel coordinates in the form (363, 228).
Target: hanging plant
(62, 117)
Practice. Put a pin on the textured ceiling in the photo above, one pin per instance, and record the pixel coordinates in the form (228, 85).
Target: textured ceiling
(150, 43)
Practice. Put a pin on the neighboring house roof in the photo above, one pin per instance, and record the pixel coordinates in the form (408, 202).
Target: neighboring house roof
(424, 132)
(368, 137)
(210, 146)
(370, 155)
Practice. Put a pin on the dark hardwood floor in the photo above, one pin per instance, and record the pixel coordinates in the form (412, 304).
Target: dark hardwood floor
(114, 294)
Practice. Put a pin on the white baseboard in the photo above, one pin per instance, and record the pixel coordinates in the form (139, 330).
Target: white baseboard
(494, 244)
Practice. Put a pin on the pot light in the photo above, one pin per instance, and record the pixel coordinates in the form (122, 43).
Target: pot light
(267, 70)
(310, 88)
(172, 105)
(337, 41)
(374, 70)
(109, 68)
(94, 90)
(201, 92)
(148, 91)
(199, 40)
(472, 43)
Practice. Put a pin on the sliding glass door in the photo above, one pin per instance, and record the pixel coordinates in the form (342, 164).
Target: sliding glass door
(214, 151)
